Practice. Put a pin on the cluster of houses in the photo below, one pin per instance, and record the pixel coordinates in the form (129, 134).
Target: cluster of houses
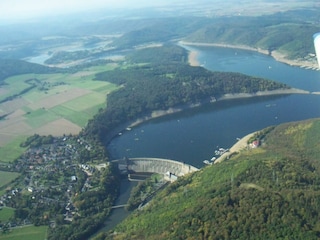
(56, 159)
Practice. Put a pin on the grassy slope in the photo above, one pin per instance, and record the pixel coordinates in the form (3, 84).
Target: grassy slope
(26, 233)
(267, 193)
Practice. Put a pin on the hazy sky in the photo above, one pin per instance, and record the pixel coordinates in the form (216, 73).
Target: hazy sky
(22, 9)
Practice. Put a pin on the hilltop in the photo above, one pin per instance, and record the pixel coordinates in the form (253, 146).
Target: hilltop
(269, 192)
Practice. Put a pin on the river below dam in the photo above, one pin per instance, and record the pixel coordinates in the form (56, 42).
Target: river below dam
(193, 135)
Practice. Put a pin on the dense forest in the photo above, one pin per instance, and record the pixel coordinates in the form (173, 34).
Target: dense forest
(271, 192)
(161, 85)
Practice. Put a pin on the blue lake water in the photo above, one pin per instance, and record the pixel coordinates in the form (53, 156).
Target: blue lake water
(193, 135)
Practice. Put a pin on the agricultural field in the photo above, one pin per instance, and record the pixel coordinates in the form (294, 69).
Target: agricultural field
(25, 233)
(5, 214)
(46, 104)
(7, 177)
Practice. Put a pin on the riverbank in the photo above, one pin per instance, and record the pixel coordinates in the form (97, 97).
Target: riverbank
(263, 93)
(159, 113)
(278, 56)
(193, 58)
(237, 147)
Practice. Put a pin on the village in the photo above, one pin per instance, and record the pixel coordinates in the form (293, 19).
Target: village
(51, 175)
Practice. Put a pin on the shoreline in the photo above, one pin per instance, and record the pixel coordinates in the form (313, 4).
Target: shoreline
(193, 58)
(160, 113)
(229, 96)
(280, 57)
(236, 148)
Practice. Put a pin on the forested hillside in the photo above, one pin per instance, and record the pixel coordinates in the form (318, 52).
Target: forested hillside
(271, 192)
(289, 32)
(164, 84)
(160, 30)
(11, 67)
(294, 39)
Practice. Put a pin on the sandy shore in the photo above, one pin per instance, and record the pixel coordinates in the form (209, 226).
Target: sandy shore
(263, 93)
(237, 147)
(275, 54)
(193, 58)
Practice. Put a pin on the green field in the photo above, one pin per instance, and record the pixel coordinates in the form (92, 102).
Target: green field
(26, 233)
(34, 96)
(7, 177)
(14, 85)
(79, 119)
(6, 214)
(87, 101)
(12, 150)
(40, 117)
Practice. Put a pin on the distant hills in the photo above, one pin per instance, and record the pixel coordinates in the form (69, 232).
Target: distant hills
(288, 32)
(271, 192)
(294, 39)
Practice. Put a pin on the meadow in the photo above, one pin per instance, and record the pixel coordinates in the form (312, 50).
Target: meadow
(6, 214)
(26, 233)
(7, 177)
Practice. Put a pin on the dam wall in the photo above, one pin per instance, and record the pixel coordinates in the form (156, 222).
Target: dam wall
(155, 165)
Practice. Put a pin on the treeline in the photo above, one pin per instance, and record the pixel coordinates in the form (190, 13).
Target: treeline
(165, 54)
(11, 67)
(270, 193)
(162, 85)
(36, 141)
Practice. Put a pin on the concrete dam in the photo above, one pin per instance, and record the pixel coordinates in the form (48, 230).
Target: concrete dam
(154, 165)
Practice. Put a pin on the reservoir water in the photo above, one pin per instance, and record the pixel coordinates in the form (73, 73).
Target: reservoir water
(193, 135)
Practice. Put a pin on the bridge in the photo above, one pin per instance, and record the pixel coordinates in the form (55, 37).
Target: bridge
(167, 167)
(119, 206)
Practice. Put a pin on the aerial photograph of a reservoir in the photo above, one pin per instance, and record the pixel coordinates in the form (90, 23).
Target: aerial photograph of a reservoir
(159, 119)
